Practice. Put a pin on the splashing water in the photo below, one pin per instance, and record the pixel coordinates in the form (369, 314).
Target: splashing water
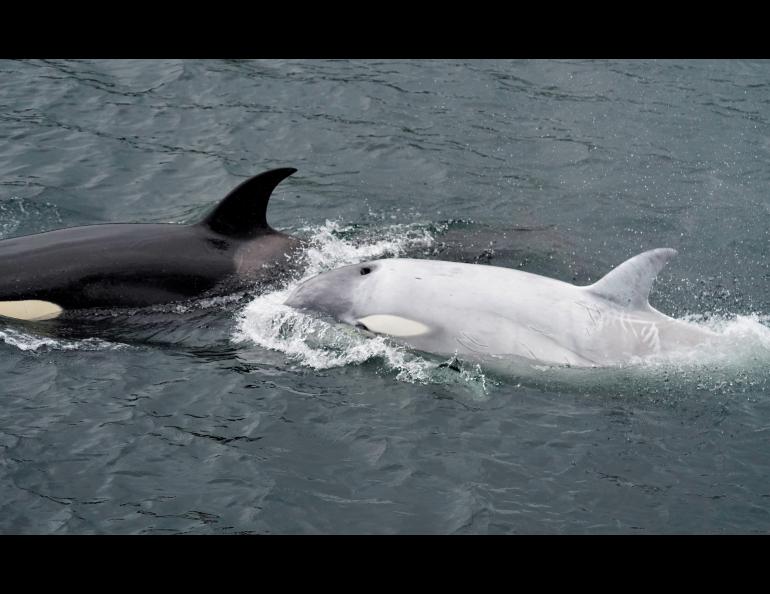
(333, 245)
(21, 215)
(29, 342)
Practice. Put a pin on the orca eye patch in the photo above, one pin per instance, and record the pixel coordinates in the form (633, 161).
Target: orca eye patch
(365, 270)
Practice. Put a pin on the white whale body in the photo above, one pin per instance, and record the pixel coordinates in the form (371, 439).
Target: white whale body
(477, 311)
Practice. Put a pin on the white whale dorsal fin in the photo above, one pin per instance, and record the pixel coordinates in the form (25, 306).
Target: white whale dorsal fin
(629, 284)
(30, 309)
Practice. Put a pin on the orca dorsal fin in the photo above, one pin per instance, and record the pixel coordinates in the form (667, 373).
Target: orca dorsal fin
(629, 284)
(242, 213)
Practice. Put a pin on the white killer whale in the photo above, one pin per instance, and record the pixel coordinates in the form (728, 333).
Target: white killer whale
(475, 311)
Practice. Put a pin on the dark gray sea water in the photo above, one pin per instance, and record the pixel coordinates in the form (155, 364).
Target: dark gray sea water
(233, 415)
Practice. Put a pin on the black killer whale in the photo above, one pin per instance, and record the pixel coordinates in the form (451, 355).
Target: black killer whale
(116, 265)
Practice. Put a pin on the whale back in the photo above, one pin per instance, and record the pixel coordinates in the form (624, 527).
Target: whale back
(141, 264)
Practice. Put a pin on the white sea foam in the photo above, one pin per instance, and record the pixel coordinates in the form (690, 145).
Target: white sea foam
(333, 245)
(29, 342)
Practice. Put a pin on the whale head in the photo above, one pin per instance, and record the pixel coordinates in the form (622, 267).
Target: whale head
(342, 293)
(373, 296)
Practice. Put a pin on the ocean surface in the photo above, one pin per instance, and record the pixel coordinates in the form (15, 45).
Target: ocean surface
(237, 415)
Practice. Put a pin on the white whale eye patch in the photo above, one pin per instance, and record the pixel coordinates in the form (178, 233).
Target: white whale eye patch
(393, 325)
(30, 309)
